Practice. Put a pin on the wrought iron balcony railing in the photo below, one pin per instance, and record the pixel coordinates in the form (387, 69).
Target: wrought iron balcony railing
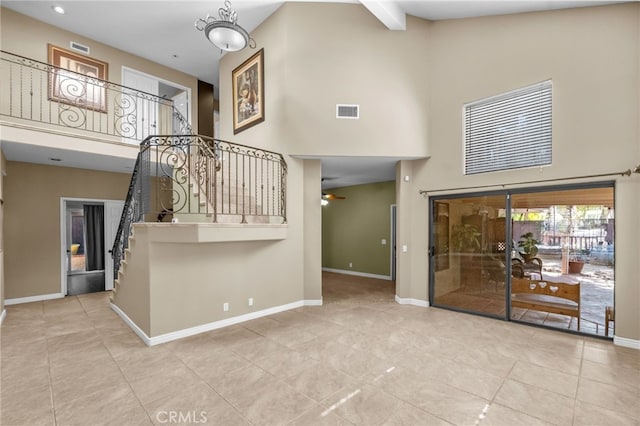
(49, 95)
(193, 178)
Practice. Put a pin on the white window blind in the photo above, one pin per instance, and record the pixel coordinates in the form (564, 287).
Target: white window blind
(508, 131)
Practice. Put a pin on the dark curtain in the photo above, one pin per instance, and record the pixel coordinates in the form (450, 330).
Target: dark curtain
(94, 234)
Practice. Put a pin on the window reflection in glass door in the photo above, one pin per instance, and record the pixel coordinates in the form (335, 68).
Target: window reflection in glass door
(469, 251)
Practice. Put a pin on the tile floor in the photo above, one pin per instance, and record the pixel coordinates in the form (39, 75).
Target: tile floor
(359, 359)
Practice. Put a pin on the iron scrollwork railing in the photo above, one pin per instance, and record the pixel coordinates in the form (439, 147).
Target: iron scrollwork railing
(135, 206)
(40, 92)
(218, 180)
(192, 178)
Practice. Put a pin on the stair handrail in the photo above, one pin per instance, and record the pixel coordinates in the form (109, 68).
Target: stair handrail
(133, 211)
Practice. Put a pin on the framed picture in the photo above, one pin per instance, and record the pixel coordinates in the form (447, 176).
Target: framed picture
(248, 93)
(78, 80)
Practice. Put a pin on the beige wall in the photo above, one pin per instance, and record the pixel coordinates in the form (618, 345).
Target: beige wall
(353, 228)
(31, 226)
(591, 54)
(312, 231)
(308, 70)
(28, 37)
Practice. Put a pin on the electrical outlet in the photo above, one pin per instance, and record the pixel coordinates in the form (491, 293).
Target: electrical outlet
(225, 306)
(251, 301)
(350, 265)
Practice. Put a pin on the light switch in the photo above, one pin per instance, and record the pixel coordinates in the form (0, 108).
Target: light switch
(384, 242)
(404, 249)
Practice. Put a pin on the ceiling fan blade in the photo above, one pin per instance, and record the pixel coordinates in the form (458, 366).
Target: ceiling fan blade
(332, 197)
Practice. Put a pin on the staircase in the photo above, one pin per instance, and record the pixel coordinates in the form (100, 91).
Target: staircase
(196, 179)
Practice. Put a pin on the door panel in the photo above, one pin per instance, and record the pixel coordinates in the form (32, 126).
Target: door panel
(469, 254)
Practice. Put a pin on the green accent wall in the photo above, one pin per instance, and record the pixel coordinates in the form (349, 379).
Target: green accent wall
(353, 228)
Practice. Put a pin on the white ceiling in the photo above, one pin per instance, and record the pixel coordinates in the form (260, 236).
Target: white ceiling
(164, 32)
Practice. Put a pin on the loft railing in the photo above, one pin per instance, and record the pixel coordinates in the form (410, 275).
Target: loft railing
(49, 95)
(191, 178)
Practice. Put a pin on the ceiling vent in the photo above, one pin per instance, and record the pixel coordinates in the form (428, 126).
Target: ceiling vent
(348, 111)
(79, 47)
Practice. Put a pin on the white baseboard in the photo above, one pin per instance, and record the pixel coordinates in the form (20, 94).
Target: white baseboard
(3, 315)
(30, 299)
(359, 274)
(175, 335)
(409, 301)
(627, 343)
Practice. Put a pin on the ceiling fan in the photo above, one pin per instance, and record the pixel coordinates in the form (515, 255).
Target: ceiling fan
(326, 196)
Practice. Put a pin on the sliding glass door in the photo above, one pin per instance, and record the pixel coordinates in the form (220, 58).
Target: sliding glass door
(543, 256)
(470, 254)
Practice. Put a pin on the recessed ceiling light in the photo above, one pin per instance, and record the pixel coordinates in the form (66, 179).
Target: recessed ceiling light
(55, 159)
(58, 9)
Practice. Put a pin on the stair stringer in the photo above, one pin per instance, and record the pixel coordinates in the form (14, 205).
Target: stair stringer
(132, 287)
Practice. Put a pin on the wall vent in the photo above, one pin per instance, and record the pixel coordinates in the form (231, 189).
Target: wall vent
(348, 111)
(79, 47)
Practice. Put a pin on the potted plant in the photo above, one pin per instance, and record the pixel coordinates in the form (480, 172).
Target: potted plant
(576, 261)
(527, 246)
(465, 238)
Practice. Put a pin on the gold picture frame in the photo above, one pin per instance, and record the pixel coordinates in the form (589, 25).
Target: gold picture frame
(77, 79)
(248, 93)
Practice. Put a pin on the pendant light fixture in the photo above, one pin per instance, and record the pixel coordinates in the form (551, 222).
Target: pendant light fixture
(224, 32)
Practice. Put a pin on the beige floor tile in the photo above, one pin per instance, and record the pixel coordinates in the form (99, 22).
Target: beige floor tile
(408, 415)
(613, 356)
(33, 416)
(215, 366)
(448, 403)
(499, 415)
(148, 362)
(486, 360)
(587, 414)
(204, 407)
(543, 358)
(400, 382)
(362, 404)
(261, 398)
(359, 359)
(621, 398)
(284, 362)
(17, 401)
(104, 406)
(77, 380)
(319, 416)
(152, 387)
(554, 381)
(318, 381)
(611, 374)
(461, 376)
(536, 402)
(289, 335)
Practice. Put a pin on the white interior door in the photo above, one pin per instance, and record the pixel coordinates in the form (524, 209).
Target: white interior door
(112, 214)
(138, 108)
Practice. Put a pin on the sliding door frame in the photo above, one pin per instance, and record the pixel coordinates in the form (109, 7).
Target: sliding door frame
(509, 241)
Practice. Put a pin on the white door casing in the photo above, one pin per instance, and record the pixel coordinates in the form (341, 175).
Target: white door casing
(112, 214)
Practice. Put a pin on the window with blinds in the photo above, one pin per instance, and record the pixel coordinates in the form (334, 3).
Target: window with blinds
(508, 131)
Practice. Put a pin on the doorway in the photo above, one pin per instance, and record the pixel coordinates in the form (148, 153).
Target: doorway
(88, 229)
(541, 256)
(153, 117)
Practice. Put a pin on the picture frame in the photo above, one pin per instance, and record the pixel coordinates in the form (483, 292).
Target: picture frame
(77, 80)
(248, 93)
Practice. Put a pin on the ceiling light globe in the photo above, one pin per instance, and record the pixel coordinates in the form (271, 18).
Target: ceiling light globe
(227, 36)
